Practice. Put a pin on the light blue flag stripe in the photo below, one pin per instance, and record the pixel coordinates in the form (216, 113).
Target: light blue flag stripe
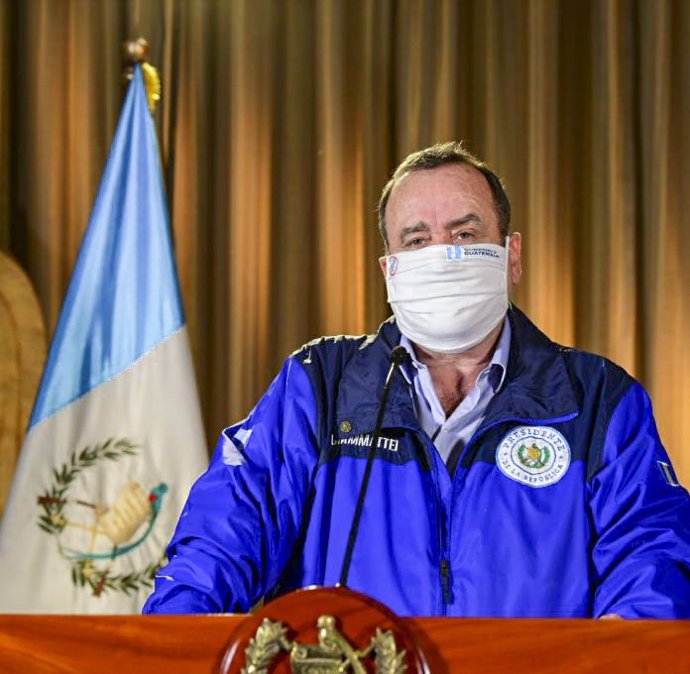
(123, 297)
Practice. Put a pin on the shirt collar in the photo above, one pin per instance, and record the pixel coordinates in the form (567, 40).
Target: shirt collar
(496, 369)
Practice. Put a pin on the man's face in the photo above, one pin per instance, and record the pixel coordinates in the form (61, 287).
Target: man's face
(451, 204)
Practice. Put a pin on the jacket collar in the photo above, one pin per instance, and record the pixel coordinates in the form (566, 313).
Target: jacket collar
(538, 387)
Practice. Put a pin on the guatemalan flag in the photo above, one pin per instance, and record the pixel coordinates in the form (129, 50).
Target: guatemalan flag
(115, 439)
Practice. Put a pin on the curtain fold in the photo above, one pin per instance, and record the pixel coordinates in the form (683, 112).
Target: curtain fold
(281, 121)
(5, 184)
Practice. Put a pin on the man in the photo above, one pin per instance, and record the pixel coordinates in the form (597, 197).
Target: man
(512, 477)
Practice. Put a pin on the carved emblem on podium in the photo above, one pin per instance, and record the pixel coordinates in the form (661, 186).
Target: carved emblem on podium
(332, 654)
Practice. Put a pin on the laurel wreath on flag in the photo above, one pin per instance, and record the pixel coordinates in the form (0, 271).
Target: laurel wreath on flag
(53, 521)
(84, 572)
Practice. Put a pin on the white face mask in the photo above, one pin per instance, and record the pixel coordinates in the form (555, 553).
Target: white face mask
(448, 298)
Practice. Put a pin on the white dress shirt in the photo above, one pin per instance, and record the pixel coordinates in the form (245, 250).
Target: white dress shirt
(451, 434)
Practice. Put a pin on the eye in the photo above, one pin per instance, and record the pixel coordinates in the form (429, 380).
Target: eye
(463, 235)
(416, 242)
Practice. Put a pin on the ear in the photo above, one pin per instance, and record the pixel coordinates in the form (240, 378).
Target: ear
(383, 263)
(515, 258)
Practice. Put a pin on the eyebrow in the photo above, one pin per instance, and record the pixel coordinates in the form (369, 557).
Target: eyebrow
(470, 217)
(413, 229)
(423, 227)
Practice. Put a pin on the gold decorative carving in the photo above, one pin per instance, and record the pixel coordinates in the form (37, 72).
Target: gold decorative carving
(333, 654)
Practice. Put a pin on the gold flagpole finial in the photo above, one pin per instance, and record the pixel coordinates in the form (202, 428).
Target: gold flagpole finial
(137, 51)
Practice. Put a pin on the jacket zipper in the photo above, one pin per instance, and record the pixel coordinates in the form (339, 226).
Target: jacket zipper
(441, 541)
(444, 575)
(445, 583)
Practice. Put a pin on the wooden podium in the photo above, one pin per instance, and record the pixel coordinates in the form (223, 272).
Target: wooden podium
(190, 644)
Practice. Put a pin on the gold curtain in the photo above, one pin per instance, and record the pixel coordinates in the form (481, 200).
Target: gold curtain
(280, 122)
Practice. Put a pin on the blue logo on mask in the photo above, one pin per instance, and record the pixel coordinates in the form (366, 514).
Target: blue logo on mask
(454, 253)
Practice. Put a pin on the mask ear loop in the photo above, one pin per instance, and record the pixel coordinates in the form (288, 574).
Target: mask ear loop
(507, 261)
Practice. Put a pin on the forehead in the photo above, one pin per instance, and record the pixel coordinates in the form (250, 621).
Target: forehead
(448, 191)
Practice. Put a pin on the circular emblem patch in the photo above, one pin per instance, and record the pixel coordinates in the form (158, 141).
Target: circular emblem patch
(537, 456)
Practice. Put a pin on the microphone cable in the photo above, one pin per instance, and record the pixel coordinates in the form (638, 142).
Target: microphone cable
(398, 356)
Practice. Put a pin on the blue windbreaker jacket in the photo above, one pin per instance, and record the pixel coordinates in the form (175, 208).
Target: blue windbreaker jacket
(585, 522)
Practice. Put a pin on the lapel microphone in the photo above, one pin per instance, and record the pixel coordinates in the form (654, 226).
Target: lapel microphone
(398, 356)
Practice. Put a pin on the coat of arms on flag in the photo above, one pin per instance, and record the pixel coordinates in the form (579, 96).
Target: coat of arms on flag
(91, 535)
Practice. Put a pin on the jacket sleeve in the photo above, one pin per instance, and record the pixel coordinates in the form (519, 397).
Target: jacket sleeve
(641, 517)
(243, 516)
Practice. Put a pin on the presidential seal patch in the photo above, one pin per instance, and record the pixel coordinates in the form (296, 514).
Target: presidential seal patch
(537, 456)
